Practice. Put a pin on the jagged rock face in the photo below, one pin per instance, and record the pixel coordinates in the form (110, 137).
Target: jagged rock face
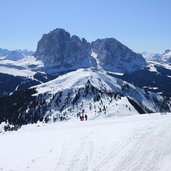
(114, 56)
(63, 52)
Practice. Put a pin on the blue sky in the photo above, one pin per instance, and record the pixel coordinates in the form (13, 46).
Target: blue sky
(142, 25)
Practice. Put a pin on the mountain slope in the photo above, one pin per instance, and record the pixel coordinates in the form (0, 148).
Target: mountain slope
(84, 91)
(87, 79)
(26, 67)
(20, 74)
(156, 77)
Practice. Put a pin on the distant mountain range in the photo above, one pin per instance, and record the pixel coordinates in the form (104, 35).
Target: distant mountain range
(158, 57)
(68, 76)
(14, 54)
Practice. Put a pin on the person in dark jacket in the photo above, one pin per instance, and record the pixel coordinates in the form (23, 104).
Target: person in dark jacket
(81, 117)
(86, 117)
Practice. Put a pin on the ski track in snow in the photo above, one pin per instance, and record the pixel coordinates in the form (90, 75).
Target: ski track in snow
(134, 143)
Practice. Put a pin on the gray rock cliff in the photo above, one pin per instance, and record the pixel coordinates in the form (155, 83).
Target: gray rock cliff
(61, 52)
(114, 56)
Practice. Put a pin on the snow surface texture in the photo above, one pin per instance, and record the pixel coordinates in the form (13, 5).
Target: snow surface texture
(134, 143)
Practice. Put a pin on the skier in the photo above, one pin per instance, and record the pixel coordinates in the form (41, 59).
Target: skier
(86, 117)
(81, 117)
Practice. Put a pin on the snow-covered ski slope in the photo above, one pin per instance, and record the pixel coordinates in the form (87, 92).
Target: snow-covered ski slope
(133, 143)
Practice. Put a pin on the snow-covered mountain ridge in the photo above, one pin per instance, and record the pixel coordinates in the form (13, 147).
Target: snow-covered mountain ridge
(14, 54)
(158, 57)
(20, 74)
(86, 79)
(27, 66)
(84, 91)
(156, 77)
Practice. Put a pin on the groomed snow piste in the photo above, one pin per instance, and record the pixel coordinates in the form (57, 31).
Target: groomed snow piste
(134, 143)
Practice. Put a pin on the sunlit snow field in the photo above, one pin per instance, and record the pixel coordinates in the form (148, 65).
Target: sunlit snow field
(139, 142)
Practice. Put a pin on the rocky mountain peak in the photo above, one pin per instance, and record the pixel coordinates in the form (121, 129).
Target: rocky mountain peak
(61, 52)
(114, 56)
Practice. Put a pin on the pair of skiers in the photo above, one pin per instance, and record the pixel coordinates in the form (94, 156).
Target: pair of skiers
(83, 117)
